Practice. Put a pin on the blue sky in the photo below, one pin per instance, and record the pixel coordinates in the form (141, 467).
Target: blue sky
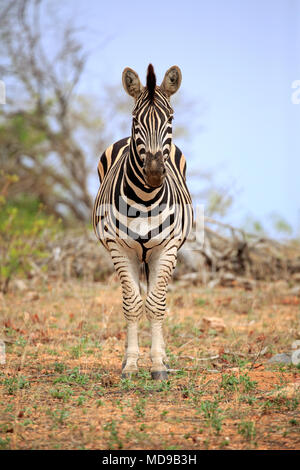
(238, 59)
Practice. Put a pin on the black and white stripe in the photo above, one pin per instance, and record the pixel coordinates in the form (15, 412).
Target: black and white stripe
(139, 223)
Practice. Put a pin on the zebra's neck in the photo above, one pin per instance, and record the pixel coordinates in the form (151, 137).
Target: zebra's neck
(134, 182)
(134, 167)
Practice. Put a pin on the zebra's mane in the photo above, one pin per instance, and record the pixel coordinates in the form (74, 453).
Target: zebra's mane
(151, 82)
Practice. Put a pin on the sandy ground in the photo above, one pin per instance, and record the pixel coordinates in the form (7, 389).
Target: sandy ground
(60, 387)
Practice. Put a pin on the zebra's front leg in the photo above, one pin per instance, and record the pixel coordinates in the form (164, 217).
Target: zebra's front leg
(127, 267)
(160, 269)
(129, 364)
(159, 368)
(132, 309)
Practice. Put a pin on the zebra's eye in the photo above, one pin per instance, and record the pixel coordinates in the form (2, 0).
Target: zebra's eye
(170, 119)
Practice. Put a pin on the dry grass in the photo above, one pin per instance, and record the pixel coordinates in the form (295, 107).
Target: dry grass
(61, 389)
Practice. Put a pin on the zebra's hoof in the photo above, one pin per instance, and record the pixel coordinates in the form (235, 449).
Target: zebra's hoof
(159, 375)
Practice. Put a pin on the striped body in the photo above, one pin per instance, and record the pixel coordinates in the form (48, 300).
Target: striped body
(143, 213)
(134, 215)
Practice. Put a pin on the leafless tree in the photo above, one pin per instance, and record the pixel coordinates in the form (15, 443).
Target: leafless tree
(43, 123)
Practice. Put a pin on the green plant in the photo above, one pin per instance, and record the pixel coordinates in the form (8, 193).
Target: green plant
(80, 400)
(212, 413)
(293, 422)
(114, 439)
(58, 416)
(79, 349)
(247, 399)
(22, 239)
(140, 408)
(73, 376)
(4, 443)
(127, 384)
(63, 393)
(247, 383)
(247, 430)
(229, 382)
(13, 384)
(59, 367)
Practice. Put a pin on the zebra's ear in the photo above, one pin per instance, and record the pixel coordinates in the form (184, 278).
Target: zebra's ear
(131, 82)
(171, 81)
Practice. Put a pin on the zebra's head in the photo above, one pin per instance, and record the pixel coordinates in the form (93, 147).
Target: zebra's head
(152, 120)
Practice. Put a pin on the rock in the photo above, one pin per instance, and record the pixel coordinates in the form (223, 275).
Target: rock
(281, 358)
(213, 323)
(296, 344)
(2, 352)
(296, 357)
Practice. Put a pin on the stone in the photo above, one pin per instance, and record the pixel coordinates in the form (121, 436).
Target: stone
(296, 344)
(281, 358)
(296, 357)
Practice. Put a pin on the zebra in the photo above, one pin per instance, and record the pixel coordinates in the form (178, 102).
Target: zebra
(143, 211)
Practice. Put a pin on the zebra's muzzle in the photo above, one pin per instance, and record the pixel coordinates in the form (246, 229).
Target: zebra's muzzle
(154, 169)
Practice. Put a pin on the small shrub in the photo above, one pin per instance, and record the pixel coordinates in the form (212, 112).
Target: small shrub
(247, 430)
(22, 237)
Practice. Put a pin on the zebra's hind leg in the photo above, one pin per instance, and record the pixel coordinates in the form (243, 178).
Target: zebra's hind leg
(127, 266)
(160, 268)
